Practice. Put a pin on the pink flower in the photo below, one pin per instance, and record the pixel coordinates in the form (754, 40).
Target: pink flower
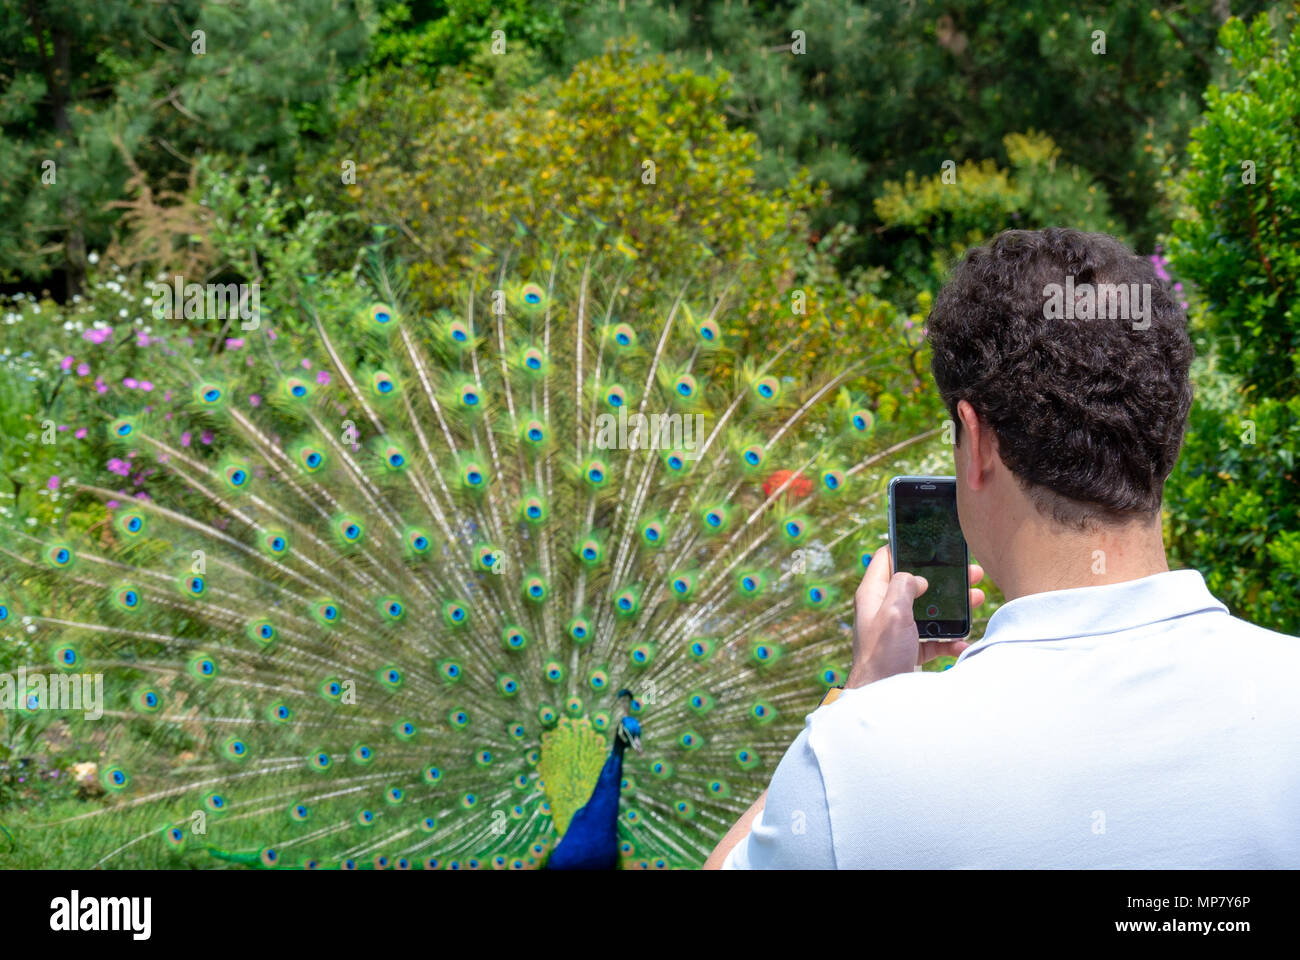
(80, 434)
(64, 428)
(53, 482)
(206, 436)
(119, 466)
(83, 369)
(186, 437)
(142, 339)
(130, 383)
(67, 362)
(255, 400)
(234, 343)
(167, 397)
(322, 377)
(98, 335)
(100, 385)
(306, 364)
(146, 385)
(270, 334)
(112, 504)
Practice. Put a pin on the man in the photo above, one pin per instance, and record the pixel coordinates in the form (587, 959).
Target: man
(1113, 715)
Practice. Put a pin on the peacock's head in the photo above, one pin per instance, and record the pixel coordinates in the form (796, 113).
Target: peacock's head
(629, 731)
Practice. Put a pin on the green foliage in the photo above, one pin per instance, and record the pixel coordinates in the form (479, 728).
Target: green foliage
(427, 35)
(933, 221)
(883, 89)
(106, 99)
(1240, 242)
(1234, 507)
(1234, 499)
(639, 156)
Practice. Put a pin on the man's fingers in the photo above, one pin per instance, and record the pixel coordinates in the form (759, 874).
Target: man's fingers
(875, 582)
(976, 596)
(904, 588)
(976, 574)
(929, 649)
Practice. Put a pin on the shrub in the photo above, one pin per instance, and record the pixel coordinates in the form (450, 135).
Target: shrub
(1234, 498)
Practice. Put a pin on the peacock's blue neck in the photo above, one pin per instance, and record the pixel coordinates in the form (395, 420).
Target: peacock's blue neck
(603, 805)
(591, 842)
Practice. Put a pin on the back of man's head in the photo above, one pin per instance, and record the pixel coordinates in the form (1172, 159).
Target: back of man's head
(1072, 350)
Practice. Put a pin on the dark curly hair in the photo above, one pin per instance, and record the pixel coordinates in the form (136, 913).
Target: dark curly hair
(1089, 413)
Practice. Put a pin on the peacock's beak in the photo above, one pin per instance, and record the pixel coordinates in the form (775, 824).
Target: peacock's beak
(636, 744)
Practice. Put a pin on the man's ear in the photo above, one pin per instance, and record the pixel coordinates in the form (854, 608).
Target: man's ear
(981, 446)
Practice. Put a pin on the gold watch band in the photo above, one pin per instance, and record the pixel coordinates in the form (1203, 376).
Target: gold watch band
(832, 695)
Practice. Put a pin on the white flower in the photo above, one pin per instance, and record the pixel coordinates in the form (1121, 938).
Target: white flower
(93, 257)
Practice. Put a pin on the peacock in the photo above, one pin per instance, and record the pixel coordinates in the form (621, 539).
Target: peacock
(397, 571)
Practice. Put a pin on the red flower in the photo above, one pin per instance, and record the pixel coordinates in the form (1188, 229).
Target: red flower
(799, 487)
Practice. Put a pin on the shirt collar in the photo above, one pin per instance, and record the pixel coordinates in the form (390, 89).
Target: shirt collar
(1091, 611)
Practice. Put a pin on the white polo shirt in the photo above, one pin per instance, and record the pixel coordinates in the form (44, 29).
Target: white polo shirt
(1133, 725)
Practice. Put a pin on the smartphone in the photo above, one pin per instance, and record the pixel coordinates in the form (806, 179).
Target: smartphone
(925, 539)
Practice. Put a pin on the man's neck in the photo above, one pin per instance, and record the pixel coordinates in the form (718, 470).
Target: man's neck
(1038, 556)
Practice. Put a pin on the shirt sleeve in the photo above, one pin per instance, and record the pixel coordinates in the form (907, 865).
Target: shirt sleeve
(794, 830)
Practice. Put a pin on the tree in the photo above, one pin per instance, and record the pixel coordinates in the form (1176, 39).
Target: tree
(1234, 498)
(98, 93)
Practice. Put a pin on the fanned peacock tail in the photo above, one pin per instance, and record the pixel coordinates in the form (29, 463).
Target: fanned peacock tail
(395, 567)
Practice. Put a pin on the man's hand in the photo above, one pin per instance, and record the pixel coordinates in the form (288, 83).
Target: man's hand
(885, 638)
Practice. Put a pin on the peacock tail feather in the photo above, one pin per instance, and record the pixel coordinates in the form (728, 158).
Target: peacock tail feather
(394, 567)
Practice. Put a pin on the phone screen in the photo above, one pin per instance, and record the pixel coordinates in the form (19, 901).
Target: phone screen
(927, 541)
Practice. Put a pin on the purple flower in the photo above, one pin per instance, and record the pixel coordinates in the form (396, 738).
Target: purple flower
(119, 466)
(322, 377)
(67, 362)
(130, 383)
(234, 343)
(255, 400)
(83, 369)
(98, 335)
(186, 437)
(112, 504)
(53, 482)
(100, 385)
(80, 434)
(306, 364)
(206, 436)
(146, 385)
(142, 339)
